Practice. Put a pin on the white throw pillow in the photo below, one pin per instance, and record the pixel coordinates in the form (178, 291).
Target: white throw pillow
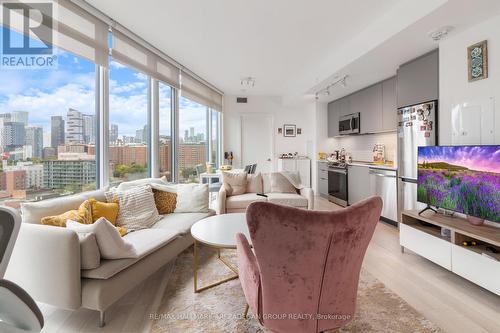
(90, 257)
(137, 207)
(192, 198)
(235, 183)
(254, 183)
(111, 244)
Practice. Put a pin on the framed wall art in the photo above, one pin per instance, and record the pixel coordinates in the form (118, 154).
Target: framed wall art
(477, 61)
(289, 130)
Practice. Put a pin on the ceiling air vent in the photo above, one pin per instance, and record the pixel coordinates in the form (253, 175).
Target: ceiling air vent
(241, 100)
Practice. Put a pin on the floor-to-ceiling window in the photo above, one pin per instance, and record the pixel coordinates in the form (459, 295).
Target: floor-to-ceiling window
(215, 118)
(48, 128)
(128, 119)
(193, 140)
(165, 126)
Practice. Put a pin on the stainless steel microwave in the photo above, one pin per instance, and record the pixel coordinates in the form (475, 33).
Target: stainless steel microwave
(349, 124)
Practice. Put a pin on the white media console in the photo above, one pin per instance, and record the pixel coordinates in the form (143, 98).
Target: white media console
(422, 235)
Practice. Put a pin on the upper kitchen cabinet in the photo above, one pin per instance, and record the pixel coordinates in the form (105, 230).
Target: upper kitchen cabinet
(345, 106)
(368, 102)
(418, 80)
(389, 105)
(333, 118)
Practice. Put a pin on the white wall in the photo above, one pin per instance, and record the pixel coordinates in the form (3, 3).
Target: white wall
(456, 90)
(361, 146)
(299, 111)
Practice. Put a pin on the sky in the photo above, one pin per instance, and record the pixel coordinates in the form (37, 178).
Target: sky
(47, 92)
(480, 158)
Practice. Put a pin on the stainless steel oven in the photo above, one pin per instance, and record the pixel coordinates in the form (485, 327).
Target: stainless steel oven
(349, 124)
(337, 185)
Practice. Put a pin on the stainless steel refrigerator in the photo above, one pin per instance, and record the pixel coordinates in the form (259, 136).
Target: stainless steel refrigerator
(417, 126)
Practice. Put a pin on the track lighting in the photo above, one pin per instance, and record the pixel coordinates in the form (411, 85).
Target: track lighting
(326, 91)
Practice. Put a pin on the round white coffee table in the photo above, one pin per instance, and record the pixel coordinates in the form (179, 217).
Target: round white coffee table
(219, 232)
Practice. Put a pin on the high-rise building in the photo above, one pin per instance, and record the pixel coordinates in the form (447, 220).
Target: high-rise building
(141, 135)
(186, 136)
(89, 128)
(74, 126)
(20, 117)
(68, 174)
(56, 131)
(13, 135)
(6, 116)
(34, 138)
(191, 132)
(113, 134)
(191, 154)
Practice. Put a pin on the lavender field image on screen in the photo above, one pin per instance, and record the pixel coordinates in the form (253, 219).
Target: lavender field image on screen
(465, 179)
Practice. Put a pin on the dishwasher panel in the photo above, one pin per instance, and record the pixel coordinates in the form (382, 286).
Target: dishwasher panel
(384, 184)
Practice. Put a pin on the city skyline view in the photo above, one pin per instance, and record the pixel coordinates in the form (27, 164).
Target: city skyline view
(48, 129)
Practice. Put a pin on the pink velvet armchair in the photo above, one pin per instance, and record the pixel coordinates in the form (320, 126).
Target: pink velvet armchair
(304, 274)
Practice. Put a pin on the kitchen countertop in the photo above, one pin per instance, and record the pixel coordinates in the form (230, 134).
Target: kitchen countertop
(369, 165)
(374, 166)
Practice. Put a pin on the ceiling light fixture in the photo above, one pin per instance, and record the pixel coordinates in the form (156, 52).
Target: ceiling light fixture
(440, 33)
(248, 82)
(341, 81)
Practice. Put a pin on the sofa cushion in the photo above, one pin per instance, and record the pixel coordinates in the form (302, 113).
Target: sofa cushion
(108, 210)
(111, 244)
(90, 256)
(32, 212)
(287, 199)
(254, 183)
(139, 182)
(180, 223)
(137, 207)
(242, 201)
(145, 241)
(235, 183)
(81, 215)
(279, 184)
(266, 182)
(192, 198)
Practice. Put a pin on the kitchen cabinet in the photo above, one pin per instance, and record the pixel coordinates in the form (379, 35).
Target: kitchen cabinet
(300, 165)
(358, 183)
(333, 118)
(369, 105)
(383, 183)
(418, 80)
(389, 105)
(345, 106)
(323, 179)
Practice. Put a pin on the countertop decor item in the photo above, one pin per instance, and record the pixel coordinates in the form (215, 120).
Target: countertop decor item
(477, 61)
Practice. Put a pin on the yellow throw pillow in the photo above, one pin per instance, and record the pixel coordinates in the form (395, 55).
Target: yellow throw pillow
(108, 210)
(165, 201)
(81, 215)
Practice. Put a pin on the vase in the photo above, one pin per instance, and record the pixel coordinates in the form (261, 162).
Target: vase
(475, 220)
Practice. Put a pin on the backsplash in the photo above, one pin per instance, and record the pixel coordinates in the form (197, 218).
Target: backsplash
(361, 146)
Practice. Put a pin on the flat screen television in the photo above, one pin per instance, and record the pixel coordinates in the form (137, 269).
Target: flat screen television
(464, 179)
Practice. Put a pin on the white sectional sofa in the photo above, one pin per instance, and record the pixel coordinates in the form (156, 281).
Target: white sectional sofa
(46, 260)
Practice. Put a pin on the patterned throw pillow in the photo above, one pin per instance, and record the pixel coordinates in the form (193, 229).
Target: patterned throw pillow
(81, 215)
(165, 201)
(137, 207)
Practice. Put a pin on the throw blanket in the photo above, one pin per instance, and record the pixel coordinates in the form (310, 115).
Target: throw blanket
(294, 178)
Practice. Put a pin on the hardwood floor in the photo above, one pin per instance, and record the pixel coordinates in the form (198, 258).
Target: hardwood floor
(448, 300)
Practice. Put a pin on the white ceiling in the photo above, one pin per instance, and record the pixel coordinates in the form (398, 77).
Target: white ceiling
(291, 46)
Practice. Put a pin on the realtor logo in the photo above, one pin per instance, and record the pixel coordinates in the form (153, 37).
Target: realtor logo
(27, 35)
